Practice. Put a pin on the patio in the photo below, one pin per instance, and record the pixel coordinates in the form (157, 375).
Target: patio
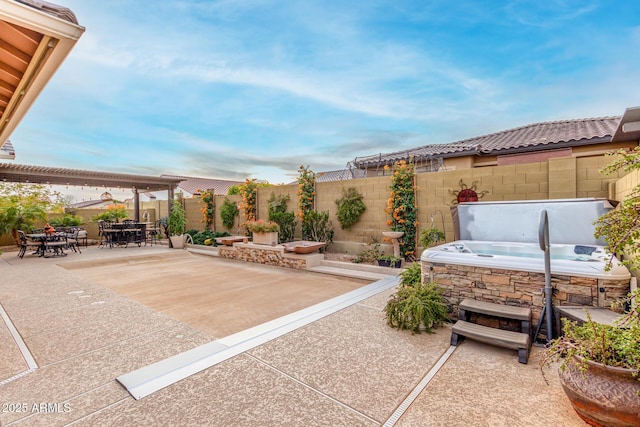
(348, 368)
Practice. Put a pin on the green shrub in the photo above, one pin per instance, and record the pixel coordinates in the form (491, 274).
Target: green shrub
(411, 275)
(319, 226)
(200, 237)
(286, 220)
(228, 213)
(350, 208)
(369, 255)
(67, 220)
(416, 304)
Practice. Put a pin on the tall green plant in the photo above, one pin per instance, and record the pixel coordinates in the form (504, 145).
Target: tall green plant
(177, 221)
(402, 208)
(22, 205)
(350, 207)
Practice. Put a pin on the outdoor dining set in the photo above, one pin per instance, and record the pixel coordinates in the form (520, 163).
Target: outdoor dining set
(48, 242)
(127, 232)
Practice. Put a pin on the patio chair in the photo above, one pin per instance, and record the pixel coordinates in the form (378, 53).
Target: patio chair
(105, 237)
(26, 244)
(83, 237)
(153, 233)
(73, 240)
(54, 245)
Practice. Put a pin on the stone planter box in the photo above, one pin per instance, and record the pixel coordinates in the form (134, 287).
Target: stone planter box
(270, 239)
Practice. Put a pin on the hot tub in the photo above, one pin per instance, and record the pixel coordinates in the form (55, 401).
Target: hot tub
(568, 260)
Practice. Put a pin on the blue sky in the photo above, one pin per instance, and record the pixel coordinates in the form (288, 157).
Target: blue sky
(255, 88)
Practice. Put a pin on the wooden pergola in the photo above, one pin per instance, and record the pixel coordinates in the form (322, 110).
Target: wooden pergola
(28, 174)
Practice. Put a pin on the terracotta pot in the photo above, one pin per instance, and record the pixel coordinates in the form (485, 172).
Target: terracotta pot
(602, 395)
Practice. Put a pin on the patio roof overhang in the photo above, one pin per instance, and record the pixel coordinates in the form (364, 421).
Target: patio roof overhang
(629, 126)
(27, 174)
(35, 38)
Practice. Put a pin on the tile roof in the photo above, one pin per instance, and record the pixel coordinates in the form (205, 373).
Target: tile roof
(86, 204)
(51, 9)
(7, 151)
(533, 137)
(340, 175)
(191, 185)
(337, 175)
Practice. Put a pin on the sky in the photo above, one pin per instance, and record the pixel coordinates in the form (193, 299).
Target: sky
(236, 89)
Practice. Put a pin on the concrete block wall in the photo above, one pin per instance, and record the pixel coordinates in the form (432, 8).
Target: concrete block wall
(195, 219)
(566, 177)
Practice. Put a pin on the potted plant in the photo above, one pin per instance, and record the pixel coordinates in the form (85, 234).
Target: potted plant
(264, 232)
(416, 305)
(430, 236)
(389, 261)
(176, 225)
(600, 368)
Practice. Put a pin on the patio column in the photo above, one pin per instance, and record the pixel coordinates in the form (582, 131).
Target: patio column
(136, 205)
(169, 200)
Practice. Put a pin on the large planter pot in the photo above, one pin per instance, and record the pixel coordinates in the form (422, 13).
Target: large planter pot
(177, 241)
(270, 239)
(602, 395)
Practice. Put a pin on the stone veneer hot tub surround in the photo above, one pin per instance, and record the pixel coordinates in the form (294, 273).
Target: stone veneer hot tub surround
(270, 255)
(518, 280)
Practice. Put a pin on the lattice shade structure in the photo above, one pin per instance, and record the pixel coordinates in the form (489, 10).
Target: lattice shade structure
(10, 172)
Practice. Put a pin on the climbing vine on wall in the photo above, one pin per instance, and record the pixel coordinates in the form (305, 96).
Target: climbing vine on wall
(249, 191)
(228, 213)
(306, 198)
(401, 206)
(350, 207)
(209, 209)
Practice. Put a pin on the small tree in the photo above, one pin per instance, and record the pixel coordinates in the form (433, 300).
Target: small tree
(22, 205)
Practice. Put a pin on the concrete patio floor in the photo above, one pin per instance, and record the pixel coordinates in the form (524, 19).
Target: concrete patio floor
(348, 368)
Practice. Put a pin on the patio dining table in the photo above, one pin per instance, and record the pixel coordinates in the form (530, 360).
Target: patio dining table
(51, 244)
(121, 234)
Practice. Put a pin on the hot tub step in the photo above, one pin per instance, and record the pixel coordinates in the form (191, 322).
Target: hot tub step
(498, 337)
(522, 314)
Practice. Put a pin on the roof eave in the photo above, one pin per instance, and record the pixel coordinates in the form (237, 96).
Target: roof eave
(60, 36)
(546, 147)
(622, 134)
